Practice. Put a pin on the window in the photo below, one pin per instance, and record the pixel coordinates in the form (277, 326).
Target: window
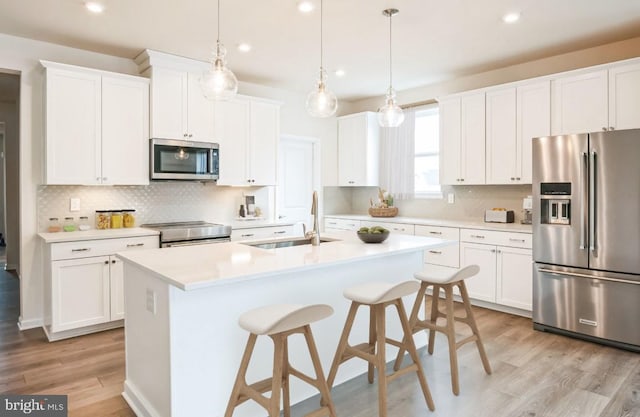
(427, 153)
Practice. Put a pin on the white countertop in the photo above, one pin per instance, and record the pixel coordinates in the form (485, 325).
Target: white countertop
(95, 234)
(201, 266)
(468, 224)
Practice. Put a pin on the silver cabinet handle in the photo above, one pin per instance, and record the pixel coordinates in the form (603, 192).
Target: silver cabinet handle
(435, 252)
(493, 251)
(612, 128)
(81, 250)
(435, 233)
(279, 232)
(134, 245)
(332, 223)
(106, 262)
(247, 235)
(604, 129)
(477, 236)
(592, 209)
(516, 240)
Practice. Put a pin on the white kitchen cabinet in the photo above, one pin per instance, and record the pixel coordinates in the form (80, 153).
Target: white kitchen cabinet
(624, 96)
(515, 115)
(96, 127)
(179, 109)
(462, 139)
(255, 233)
(449, 255)
(401, 228)
(84, 290)
(504, 258)
(580, 103)
(248, 131)
(340, 225)
(358, 150)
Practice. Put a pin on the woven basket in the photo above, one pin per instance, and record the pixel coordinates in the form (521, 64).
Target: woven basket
(383, 212)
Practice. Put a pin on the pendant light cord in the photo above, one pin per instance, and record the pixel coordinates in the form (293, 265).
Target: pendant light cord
(218, 40)
(321, 8)
(390, 55)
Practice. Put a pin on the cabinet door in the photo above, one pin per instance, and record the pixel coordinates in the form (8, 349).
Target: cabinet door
(624, 97)
(80, 293)
(352, 132)
(232, 130)
(514, 277)
(116, 293)
(125, 131)
(501, 137)
(168, 103)
(450, 136)
(264, 130)
(533, 120)
(73, 102)
(472, 164)
(580, 103)
(481, 286)
(200, 112)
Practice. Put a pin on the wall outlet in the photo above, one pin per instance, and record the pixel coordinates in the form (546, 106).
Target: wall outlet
(151, 301)
(74, 204)
(451, 198)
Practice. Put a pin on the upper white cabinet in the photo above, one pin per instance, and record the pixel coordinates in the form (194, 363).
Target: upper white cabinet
(515, 115)
(580, 103)
(96, 127)
(462, 139)
(358, 150)
(179, 110)
(624, 97)
(248, 131)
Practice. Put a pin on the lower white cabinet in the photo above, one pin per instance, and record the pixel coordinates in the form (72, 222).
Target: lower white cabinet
(514, 277)
(448, 256)
(254, 233)
(85, 287)
(339, 225)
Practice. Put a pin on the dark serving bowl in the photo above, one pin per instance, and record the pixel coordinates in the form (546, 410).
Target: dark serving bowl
(373, 237)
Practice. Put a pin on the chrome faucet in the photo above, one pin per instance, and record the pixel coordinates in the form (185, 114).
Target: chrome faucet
(314, 235)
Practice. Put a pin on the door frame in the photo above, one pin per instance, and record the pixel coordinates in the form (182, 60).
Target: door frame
(3, 174)
(317, 159)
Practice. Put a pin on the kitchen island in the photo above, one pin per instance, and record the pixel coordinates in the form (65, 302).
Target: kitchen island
(183, 343)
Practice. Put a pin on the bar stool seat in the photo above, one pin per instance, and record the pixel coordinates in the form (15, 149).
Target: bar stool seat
(279, 321)
(446, 282)
(378, 296)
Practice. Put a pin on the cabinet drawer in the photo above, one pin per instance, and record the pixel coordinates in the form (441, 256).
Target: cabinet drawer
(440, 232)
(402, 228)
(101, 247)
(261, 233)
(341, 224)
(446, 256)
(491, 237)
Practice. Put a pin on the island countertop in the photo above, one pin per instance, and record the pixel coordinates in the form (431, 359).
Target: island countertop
(203, 266)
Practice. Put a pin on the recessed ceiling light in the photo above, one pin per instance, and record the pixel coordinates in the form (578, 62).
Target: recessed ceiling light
(511, 17)
(94, 7)
(244, 47)
(305, 6)
(340, 73)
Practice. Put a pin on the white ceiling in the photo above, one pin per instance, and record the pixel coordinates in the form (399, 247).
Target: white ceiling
(433, 40)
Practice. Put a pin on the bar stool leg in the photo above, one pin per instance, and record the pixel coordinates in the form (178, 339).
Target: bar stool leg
(411, 348)
(379, 310)
(413, 319)
(451, 337)
(474, 328)
(342, 344)
(372, 343)
(240, 384)
(278, 365)
(317, 366)
(286, 400)
(433, 318)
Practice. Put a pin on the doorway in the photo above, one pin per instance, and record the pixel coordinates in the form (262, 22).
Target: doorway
(3, 209)
(298, 177)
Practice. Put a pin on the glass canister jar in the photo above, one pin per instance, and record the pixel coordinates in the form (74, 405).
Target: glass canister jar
(116, 219)
(129, 218)
(54, 225)
(69, 225)
(103, 219)
(83, 223)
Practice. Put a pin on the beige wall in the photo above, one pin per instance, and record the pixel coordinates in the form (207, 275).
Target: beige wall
(616, 51)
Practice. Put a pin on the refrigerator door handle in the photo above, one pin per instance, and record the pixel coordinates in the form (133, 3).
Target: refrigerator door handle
(576, 274)
(592, 203)
(585, 180)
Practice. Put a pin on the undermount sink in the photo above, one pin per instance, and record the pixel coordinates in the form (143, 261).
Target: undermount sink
(285, 243)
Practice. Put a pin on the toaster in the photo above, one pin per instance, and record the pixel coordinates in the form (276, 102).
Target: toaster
(499, 216)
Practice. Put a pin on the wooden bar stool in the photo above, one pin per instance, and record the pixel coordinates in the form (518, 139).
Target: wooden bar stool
(446, 282)
(279, 322)
(378, 296)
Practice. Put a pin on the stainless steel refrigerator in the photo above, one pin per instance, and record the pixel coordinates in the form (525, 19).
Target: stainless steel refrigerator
(586, 236)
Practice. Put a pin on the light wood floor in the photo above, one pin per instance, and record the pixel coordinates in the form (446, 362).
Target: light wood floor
(535, 374)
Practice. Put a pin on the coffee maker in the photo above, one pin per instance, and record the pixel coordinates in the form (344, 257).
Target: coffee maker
(527, 210)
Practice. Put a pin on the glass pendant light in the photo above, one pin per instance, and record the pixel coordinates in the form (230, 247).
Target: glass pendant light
(321, 102)
(390, 114)
(219, 83)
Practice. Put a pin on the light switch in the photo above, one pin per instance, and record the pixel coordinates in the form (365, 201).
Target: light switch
(74, 204)
(151, 301)
(451, 198)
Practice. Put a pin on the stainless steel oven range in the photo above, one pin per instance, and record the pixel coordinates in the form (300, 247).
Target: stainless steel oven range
(190, 233)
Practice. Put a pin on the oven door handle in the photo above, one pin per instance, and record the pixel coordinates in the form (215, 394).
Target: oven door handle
(577, 274)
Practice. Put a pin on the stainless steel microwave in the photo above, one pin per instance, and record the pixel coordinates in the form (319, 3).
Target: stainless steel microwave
(184, 160)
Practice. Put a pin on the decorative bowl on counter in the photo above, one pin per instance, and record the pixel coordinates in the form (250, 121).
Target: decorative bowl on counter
(375, 234)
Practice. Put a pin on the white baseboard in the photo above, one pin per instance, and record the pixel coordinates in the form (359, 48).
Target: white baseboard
(29, 324)
(138, 403)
